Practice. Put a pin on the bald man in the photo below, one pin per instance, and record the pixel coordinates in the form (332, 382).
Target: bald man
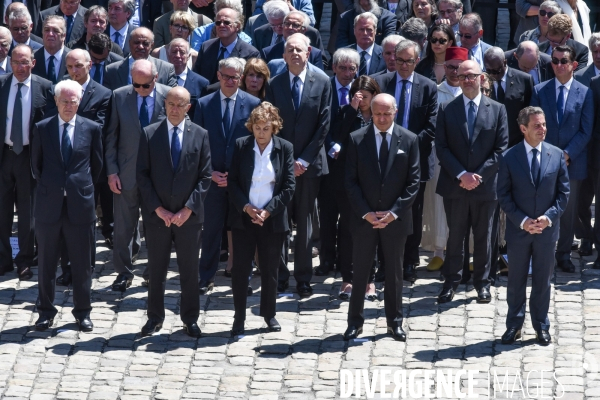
(173, 182)
(528, 58)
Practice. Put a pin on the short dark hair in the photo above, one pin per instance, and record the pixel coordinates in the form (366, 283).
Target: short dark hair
(364, 82)
(526, 113)
(99, 42)
(95, 9)
(565, 49)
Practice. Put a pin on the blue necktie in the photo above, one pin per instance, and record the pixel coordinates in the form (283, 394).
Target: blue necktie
(16, 131)
(226, 118)
(69, 28)
(560, 104)
(144, 118)
(221, 55)
(175, 149)
(97, 73)
(117, 40)
(471, 115)
(296, 93)
(402, 103)
(535, 168)
(65, 147)
(362, 69)
(344, 96)
(51, 69)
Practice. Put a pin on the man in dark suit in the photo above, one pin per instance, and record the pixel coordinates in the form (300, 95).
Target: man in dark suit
(530, 170)
(234, 106)
(66, 159)
(72, 13)
(451, 11)
(594, 164)
(560, 28)
(569, 107)
(32, 7)
(586, 74)
(27, 100)
(226, 44)
(178, 53)
(385, 23)
(272, 32)
(147, 14)
(119, 29)
(99, 48)
(527, 58)
(389, 54)
(304, 100)
(50, 59)
(95, 21)
(371, 54)
(470, 32)
(382, 181)
(5, 42)
(20, 25)
(140, 41)
(173, 171)
(133, 107)
(416, 97)
(470, 136)
(162, 23)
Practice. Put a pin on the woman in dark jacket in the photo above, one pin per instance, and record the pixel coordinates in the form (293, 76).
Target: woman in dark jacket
(260, 184)
(432, 65)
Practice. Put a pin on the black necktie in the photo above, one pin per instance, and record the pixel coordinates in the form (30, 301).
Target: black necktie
(471, 115)
(65, 147)
(296, 93)
(560, 104)
(226, 118)
(535, 167)
(16, 130)
(221, 55)
(383, 153)
(175, 149)
(500, 93)
(69, 28)
(402, 103)
(51, 69)
(362, 69)
(279, 39)
(97, 73)
(144, 115)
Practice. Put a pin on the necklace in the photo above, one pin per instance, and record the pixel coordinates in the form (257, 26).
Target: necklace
(439, 64)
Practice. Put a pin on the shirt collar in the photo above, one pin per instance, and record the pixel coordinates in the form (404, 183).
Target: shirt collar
(181, 125)
(122, 31)
(150, 95)
(183, 75)
(567, 85)
(61, 122)
(368, 50)
(455, 90)
(232, 97)
(230, 47)
(267, 150)
(57, 56)
(302, 75)
(26, 82)
(476, 100)
(338, 85)
(4, 63)
(27, 42)
(528, 147)
(399, 78)
(389, 131)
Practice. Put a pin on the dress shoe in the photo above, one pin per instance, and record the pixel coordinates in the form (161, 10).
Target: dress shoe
(352, 332)
(483, 295)
(323, 269)
(85, 324)
(206, 287)
(397, 333)
(237, 328)
(108, 242)
(65, 279)
(409, 274)
(303, 289)
(192, 329)
(227, 273)
(585, 249)
(435, 264)
(121, 283)
(273, 325)
(446, 295)
(566, 265)
(8, 268)
(282, 286)
(24, 273)
(145, 282)
(151, 327)
(43, 323)
(543, 337)
(511, 335)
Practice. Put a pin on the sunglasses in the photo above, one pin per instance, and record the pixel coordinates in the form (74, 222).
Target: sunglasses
(219, 23)
(465, 35)
(140, 85)
(486, 91)
(440, 40)
(543, 13)
(562, 61)
(494, 71)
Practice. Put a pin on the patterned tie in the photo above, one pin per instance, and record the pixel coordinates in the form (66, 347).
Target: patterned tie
(535, 168)
(65, 147)
(362, 69)
(560, 104)
(117, 40)
(16, 131)
(69, 28)
(144, 116)
(383, 153)
(226, 118)
(471, 115)
(402, 103)
(51, 69)
(500, 93)
(296, 93)
(98, 73)
(175, 149)
(344, 96)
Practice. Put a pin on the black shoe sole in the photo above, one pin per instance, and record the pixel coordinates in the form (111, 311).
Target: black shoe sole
(43, 328)
(358, 332)
(146, 333)
(484, 301)
(517, 337)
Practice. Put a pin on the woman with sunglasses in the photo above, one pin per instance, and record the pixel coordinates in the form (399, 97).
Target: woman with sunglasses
(425, 10)
(181, 26)
(534, 19)
(432, 65)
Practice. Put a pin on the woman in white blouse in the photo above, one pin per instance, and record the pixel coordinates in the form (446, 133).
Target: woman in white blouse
(260, 184)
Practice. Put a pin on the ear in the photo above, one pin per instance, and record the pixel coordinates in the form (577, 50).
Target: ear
(523, 129)
(575, 64)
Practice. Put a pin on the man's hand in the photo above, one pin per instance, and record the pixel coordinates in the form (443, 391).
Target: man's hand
(299, 169)
(372, 218)
(220, 178)
(385, 217)
(165, 215)
(264, 214)
(290, 6)
(542, 223)
(181, 216)
(440, 21)
(567, 158)
(529, 225)
(114, 183)
(469, 180)
(335, 154)
(356, 100)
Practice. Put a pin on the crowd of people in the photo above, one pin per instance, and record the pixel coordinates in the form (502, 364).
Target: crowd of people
(240, 138)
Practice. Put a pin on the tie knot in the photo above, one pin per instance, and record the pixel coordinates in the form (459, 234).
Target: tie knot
(344, 90)
(561, 87)
(471, 103)
(174, 130)
(534, 151)
(363, 53)
(383, 134)
(296, 79)
(20, 85)
(227, 100)
(51, 58)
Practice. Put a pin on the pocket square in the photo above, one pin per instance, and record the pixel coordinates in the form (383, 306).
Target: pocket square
(400, 151)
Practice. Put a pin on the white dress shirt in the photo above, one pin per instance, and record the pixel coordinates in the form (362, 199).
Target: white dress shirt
(180, 129)
(398, 93)
(182, 77)
(368, 55)
(528, 149)
(535, 74)
(122, 32)
(231, 105)
(478, 55)
(263, 177)
(57, 59)
(25, 102)
(302, 77)
(466, 100)
(149, 103)
(566, 90)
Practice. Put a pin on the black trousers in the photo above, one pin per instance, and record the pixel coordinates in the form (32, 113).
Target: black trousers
(16, 187)
(187, 247)
(245, 243)
(411, 252)
(78, 239)
(104, 196)
(567, 223)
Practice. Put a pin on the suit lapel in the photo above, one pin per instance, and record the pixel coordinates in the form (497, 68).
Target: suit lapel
(87, 95)
(275, 154)
(571, 100)
(308, 82)
(238, 111)
(414, 100)
(482, 116)
(217, 112)
(457, 107)
(37, 100)
(545, 160)
(186, 144)
(132, 103)
(395, 137)
(77, 137)
(391, 86)
(123, 73)
(55, 137)
(159, 103)
(372, 148)
(551, 96)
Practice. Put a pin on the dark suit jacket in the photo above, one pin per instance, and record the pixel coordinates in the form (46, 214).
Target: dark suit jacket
(377, 62)
(519, 198)
(151, 10)
(95, 102)
(517, 96)
(239, 181)
(262, 37)
(116, 75)
(335, 110)
(77, 178)
(544, 68)
(40, 64)
(78, 27)
(125, 49)
(42, 102)
(206, 63)
(346, 122)
(403, 11)
(575, 131)
(581, 52)
(81, 44)
(308, 127)
(398, 188)
(196, 85)
(481, 155)
(208, 115)
(276, 51)
(386, 26)
(422, 115)
(594, 145)
(32, 43)
(586, 75)
(160, 185)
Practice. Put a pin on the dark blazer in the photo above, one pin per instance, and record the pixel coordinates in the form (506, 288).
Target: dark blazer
(239, 181)
(386, 26)
(581, 52)
(545, 70)
(126, 50)
(398, 188)
(519, 198)
(307, 128)
(78, 27)
(151, 10)
(425, 68)
(196, 85)
(586, 75)
(276, 51)
(575, 131)
(481, 155)
(346, 122)
(517, 96)
(206, 63)
(208, 115)
(32, 43)
(422, 115)
(95, 102)
(42, 102)
(160, 185)
(262, 37)
(335, 109)
(377, 62)
(40, 64)
(77, 178)
(403, 11)
(81, 44)
(116, 75)
(594, 145)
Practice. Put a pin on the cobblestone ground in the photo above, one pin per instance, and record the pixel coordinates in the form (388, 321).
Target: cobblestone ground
(304, 360)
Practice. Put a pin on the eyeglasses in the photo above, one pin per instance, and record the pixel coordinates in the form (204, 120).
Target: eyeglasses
(143, 43)
(486, 91)
(562, 61)
(274, 26)
(226, 77)
(469, 77)
(293, 25)
(143, 85)
(407, 62)
(440, 40)
(343, 68)
(467, 36)
(543, 13)
(180, 27)
(494, 71)
(226, 23)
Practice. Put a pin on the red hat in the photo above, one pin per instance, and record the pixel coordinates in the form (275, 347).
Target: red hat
(457, 53)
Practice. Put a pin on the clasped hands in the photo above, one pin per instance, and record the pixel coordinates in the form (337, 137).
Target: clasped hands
(537, 225)
(177, 219)
(470, 180)
(379, 219)
(258, 215)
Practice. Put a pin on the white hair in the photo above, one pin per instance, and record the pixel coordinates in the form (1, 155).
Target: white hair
(68, 85)
(276, 9)
(4, 30)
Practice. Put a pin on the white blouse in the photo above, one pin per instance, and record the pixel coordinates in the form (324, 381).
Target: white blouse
(263, 177)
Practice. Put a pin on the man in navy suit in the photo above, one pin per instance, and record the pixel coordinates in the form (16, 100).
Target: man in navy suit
(66, 160)
(50, 59)
(371, 54)
(272, 32)
(223, 114)
(20, 25)
(385, 22)
(527, 58)
(533, 190)
(119, 29)
(178, 53)
(470, 32)
(72, 12)
(569, 106)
